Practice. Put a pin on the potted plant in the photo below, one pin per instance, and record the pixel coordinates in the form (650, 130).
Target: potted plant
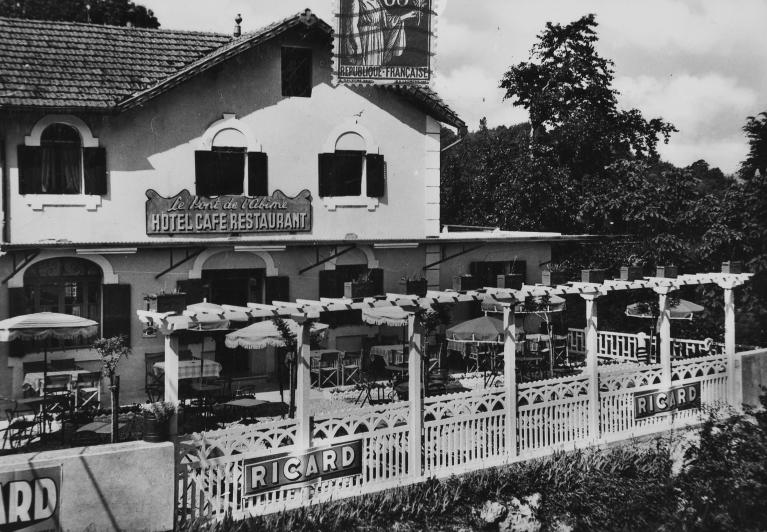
(669, 272)
(416, 286)
(157, 420)
(111, 351)
(593, 275)
(511, 281)
(732, 266)
(361, 287)
(634, 271)
(461, 283)
(556, 273)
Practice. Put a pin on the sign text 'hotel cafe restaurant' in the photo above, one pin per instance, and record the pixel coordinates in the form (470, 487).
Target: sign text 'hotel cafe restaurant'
(186, 213)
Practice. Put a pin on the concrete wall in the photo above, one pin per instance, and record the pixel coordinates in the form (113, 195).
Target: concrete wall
(152, 147)
(754, 376)
(126, 486)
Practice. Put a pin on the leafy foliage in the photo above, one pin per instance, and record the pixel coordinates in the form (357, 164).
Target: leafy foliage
(756, 161)
(111, 351)
(112, 12)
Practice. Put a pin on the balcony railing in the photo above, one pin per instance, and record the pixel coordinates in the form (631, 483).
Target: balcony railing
(623, 346)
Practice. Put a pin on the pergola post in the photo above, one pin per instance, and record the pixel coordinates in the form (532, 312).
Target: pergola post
(592, 363)
(303, 386)
(415, 395)
(171, 377)
(510, 380)
(734, 370)
(664, 335)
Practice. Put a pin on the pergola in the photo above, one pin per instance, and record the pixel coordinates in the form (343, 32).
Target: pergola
(303, 310)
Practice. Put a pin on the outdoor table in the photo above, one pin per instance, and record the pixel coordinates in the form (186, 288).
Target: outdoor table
(388, 353)
(190, 369)
(35, 379)
(247, 405)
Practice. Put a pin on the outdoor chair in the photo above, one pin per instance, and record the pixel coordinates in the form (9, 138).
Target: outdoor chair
(477, 359)
(58, 388)
(435, 357)
(88, 390)
(326, 368)
(351, 367)
(154, 385)
(561, 354)
(20, 429)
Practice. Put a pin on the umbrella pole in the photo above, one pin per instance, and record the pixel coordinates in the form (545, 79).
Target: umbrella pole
(45, 388)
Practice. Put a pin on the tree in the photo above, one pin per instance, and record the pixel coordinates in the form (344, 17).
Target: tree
(112, 12)
(111, 351)
(756, 160)
(567, 89)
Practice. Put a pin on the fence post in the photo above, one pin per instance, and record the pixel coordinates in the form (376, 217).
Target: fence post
(734, 363)
(592, 364)
(664, 332)
(171, 377)
(415, 395)
(303, 387)
(510, 379)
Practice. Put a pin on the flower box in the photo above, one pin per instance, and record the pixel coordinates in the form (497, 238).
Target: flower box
(171, 302)
(631, 273)
(550, 278)
(733, 266)
(462, 283)
(511, 281)
(596, 276)
(416, 287)
(669, 272)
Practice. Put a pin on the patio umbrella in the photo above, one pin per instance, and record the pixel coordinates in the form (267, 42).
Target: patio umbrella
(393, 316)
(44, 326)
(490, 304)
(683, 310)
(264, 334)
(483, 329)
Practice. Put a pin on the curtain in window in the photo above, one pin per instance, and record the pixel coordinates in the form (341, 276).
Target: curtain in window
(60, 170)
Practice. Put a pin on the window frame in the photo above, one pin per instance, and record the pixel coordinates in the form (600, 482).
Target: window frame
(284, 77)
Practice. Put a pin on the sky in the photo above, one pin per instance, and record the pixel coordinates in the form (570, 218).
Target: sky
(699, 64)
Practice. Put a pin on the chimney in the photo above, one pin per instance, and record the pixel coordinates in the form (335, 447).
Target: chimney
(237, 29)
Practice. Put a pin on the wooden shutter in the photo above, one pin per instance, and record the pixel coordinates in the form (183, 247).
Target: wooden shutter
(520, 267)
(258, 174)
(277, 288)
(95, 168)
(30, 169)
(18, 303)
(218, 172)
(376, 277)
(194, 290)
(376, 175)
(204, 173)
(118, 310)
(329, 284)
(327, 177)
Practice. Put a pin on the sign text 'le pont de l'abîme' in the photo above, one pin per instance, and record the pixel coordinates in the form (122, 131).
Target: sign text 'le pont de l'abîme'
(186, 213)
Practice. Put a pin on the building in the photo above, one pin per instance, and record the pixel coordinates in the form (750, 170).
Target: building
(104, 129)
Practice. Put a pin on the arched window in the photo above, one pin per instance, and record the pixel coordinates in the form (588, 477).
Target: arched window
(66, 285)
(54, 160)
(226, 167)
(350, 171)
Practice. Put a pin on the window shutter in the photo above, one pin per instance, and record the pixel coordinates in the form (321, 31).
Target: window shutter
(277, 289)
(376, 276)
(117, 310)
(258, 174)
(194, 290)
(30, 169)
(218, 172)
(520, 267)
(329, 283)
(204, 172)
(18, 303)
(327, 181)
(95, 166)
(376, 175)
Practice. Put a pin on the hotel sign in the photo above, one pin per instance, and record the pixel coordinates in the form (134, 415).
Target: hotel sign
(384, 41)
(647, 404)
(185, 213)
(290, 470)
(30, 499)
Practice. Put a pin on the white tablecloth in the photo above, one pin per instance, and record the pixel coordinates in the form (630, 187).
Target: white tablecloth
(35, 380)
(391, 354)
(190, 369)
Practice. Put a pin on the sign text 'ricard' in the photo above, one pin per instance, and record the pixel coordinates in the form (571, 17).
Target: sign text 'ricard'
(29, 499)
(647, 404)
(284, 470)
(186, 213)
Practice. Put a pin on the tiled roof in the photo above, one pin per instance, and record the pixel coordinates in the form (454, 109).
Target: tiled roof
(66, 64)
(69, 65)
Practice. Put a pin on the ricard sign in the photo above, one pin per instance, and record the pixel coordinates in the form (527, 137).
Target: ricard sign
(291, 470)
(647, 404)
(186, 213)
(29, 499)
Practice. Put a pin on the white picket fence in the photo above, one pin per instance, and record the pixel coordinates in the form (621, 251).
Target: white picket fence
(623, 346)
(461, 432)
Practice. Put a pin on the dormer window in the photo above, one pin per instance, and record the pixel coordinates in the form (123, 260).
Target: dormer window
(228, 167)
(61, 165)
(296, 71)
